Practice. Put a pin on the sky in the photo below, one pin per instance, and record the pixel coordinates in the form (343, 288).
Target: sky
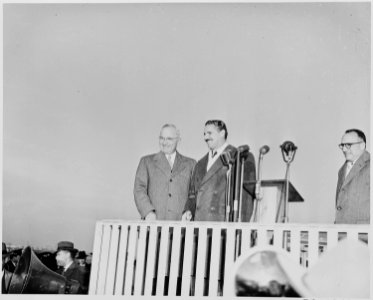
(87, 87)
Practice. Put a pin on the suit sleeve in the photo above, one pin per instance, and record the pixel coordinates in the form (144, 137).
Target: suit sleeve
(250, 172)
(248, 196)
(192, 194)
(140, 191)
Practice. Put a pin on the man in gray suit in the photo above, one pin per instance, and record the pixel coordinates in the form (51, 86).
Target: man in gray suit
(353, 187)
(162, 179)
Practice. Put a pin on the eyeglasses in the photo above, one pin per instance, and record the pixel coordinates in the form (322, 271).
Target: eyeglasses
(167, 139)
(348, 145)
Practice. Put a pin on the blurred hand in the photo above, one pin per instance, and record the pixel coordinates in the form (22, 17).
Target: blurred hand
(151, 216)
(187, 216)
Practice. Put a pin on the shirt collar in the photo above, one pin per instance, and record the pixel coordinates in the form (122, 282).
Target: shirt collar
(68, 265)
(219, 150)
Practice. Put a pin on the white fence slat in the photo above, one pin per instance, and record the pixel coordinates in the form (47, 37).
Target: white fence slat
(188, 253)
(140, 260)
(102, 269)
(163, 261)
(295, 243)
(331, 239)
(245, 240)
(353, 235)
(112, 262)
(96, 258)
(313, 246)
(121, 265)
(229, 253)
(130, 260)
(151, 260)
(175, 259)
(201, 260)
(262, 237)
(214, 262)
(278, 235)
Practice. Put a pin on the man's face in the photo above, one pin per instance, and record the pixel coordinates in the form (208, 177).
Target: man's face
(213, 137)
(62, 257)
(168, 140)
(357, 147)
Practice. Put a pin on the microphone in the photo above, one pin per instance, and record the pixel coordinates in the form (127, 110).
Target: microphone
(243, 151)
(288, 146)
(263, 150)
(227, 157)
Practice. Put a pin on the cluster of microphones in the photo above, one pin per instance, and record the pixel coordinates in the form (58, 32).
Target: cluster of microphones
(235, 160)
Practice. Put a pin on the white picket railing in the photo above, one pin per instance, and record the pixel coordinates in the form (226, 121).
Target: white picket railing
(161, 258)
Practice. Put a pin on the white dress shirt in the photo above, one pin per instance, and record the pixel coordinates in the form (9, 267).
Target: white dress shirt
(171, 158)
(217, 155)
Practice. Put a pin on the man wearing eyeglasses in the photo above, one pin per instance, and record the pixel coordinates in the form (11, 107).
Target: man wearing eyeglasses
(353, 187)
(162, 179)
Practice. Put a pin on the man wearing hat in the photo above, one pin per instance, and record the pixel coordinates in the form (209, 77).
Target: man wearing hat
(6, 274)
(67, 266)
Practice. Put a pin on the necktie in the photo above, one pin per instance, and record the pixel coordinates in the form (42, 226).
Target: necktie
(213, 153)
(348, 168)
(169, 160)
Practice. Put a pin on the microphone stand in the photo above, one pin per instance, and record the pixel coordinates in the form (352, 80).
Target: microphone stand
(258, 187)
(228, 193)
(236, 187)
(288, 150)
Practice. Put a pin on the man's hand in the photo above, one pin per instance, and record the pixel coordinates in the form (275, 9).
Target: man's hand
(187, 216)
(151, 216)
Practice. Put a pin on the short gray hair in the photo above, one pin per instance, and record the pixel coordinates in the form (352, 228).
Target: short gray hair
(169, 125)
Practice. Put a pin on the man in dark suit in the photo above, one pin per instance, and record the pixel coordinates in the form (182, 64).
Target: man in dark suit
(207, 193)
(162, 179)
(67, 265)
(353, 187)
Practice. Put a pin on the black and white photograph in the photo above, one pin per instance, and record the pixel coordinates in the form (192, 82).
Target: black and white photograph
(186, 149)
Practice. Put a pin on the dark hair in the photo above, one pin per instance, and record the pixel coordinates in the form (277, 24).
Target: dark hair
(218, 124)
(359, 133)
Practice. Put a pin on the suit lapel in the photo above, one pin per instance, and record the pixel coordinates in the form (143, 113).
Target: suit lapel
(341, 178)
(161, 163)
(178, 164)
(214, 168)
(360, 163)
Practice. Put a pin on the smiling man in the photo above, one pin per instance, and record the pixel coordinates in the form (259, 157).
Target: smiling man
(206, 200)
(162, 179)
(353, 187)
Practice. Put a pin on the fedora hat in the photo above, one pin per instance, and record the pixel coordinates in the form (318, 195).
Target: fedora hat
(341, 272)
(81, 255)
(66, 246)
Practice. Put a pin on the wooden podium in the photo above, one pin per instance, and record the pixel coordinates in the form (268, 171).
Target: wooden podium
(273, 191)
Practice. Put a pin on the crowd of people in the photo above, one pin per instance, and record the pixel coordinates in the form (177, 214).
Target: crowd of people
(72, 264)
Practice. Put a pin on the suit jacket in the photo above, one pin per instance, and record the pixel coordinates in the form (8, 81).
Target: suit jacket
(353, 193)
(162, 190)
(207, 190)
(75, 272)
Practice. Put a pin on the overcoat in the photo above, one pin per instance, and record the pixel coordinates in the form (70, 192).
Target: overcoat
(207, 192)
(75, 272)
(353, 193)
(162, 190)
